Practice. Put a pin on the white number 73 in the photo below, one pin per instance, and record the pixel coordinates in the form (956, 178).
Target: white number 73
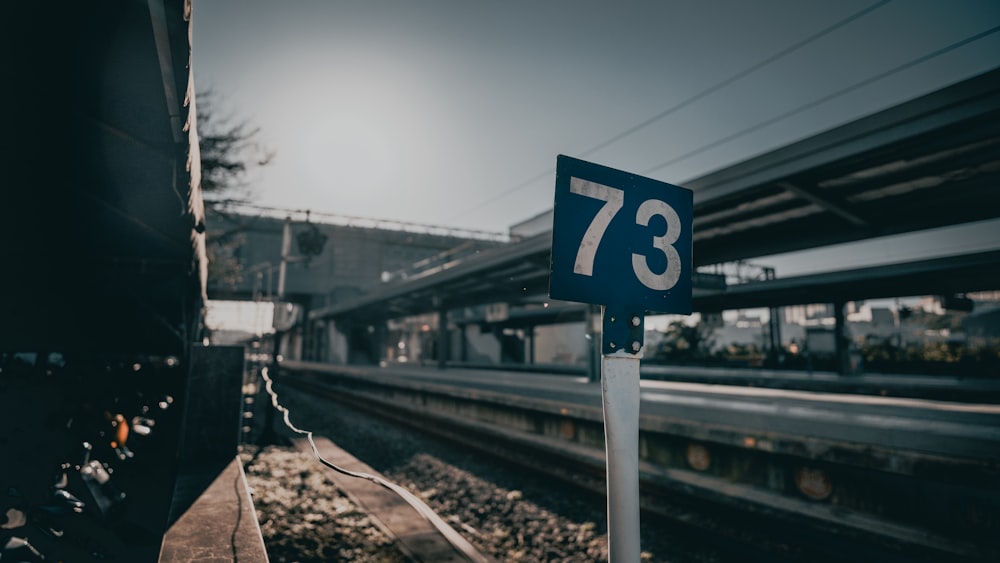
(614, 199)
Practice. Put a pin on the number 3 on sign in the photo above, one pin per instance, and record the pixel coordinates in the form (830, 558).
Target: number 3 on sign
(614, 200)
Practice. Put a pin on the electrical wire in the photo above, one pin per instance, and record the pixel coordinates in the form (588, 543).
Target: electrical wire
(828, 97)
(449, 533)
(676, 107)
(742, 74)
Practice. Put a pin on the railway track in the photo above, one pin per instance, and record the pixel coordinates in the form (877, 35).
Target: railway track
(735, 529)
(505, 510)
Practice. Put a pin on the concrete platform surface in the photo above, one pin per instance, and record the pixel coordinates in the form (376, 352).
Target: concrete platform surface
(213, 518)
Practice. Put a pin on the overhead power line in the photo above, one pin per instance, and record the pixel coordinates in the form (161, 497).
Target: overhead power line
(743, 74)
(824, 99)
(672, 109)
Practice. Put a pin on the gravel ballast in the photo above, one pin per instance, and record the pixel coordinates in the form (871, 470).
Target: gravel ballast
(506, 512)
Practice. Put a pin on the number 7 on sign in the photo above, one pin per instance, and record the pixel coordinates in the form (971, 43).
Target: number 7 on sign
(614, 200)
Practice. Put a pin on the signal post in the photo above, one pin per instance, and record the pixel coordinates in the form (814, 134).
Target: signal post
(624, 242)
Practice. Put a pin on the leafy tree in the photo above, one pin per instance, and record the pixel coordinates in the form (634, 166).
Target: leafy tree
(230, 152)
(742, 351)
(683, 342)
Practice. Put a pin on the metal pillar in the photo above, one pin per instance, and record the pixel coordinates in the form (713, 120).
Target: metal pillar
(621, 348)
(773, 325)
(840, 339)
(442, 339)
(286, 251)
(774, 333)
(530, 332)
(379, 341)
(337, 350)
(463, 342)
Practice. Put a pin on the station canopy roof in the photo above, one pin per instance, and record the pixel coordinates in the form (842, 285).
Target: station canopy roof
(931, 162)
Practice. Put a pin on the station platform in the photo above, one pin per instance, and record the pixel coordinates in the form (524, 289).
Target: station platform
(939, 387)
(213, 517)
(870, 411)
(910, 477)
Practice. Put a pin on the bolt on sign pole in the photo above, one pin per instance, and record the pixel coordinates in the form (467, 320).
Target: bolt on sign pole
(622, 241)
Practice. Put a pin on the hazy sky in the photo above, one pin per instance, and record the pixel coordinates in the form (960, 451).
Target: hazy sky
(452, 112)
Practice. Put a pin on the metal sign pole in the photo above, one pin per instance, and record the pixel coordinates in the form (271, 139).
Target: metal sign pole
(621, 351)
(286, 251)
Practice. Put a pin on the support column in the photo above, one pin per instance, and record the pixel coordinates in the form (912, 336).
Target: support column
(286, 251)
(463, 342)
(337, 348)
(442, 338)
(318, 341)
(841, 341)
(346, 327)
(773, 326)
(774, 333)
(378, 342)
(530, 333)
(306, 344)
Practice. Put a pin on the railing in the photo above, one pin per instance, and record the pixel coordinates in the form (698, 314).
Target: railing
(301, 215)
(439, 261)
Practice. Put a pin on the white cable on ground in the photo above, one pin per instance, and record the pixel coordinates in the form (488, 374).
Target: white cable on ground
(449, 533)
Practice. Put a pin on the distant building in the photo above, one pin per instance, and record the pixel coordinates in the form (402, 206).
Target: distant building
(354, 258)
(983, 325)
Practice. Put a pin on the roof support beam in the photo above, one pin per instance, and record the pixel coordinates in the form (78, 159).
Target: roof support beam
(161, 35)
(825, 203)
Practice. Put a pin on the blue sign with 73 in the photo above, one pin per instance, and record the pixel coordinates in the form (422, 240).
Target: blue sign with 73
(620, 239)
